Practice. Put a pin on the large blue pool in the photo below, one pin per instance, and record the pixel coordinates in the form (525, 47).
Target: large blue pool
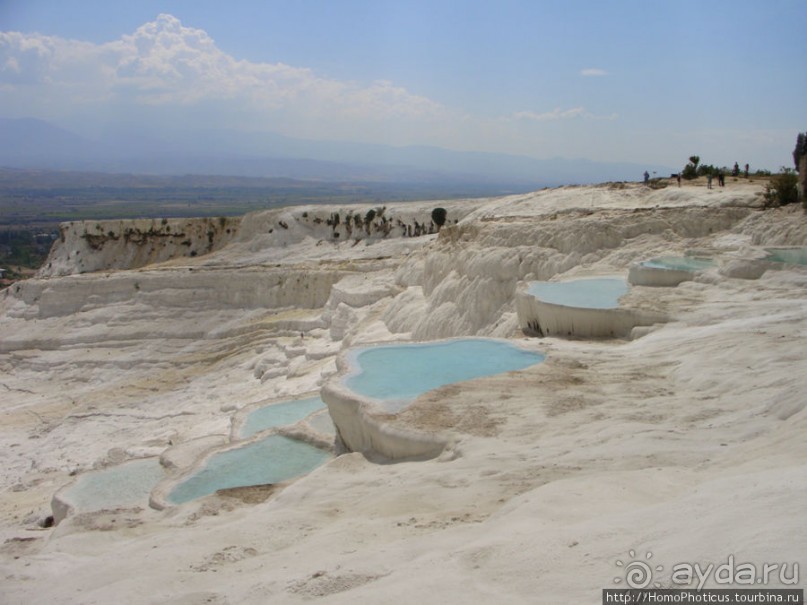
(396, 374)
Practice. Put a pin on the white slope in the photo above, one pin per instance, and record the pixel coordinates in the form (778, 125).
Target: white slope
(688, 443)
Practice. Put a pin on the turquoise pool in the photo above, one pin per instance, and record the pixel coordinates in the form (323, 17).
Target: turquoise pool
(269, 460)
(791, 256)
(679, 263)
(126, 485)
(590, 293)
(396, 374)
(280, 414)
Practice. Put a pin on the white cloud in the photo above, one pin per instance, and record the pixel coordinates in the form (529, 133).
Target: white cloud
(556, 114)
(593, 71)
(164, 63)
(560, 114)
(167, 76)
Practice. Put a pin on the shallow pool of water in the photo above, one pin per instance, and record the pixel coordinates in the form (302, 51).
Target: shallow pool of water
(270, 460)
(126, 485)
(280, 414)
(396, 374)
(679, 263)
(791, 256)
(589, 293)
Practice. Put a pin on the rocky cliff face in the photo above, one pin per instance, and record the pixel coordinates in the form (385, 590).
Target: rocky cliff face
(87, 246)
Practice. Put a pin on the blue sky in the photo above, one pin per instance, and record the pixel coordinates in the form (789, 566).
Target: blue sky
(623, 80)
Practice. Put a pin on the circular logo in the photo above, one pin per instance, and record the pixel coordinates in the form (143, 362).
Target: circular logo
(638, 573)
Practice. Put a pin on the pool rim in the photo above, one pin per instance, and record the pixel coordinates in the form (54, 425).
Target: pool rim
(373, 431)
(615, 322)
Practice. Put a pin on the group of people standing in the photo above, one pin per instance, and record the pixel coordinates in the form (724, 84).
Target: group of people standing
(721, 180)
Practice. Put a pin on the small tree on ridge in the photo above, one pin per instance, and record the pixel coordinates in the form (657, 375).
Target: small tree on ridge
(691, 170)
(439, 217)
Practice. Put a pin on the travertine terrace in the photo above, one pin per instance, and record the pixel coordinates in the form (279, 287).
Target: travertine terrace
(684, 438)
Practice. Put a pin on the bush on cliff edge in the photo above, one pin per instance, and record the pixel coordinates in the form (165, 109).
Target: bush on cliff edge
(782, 189)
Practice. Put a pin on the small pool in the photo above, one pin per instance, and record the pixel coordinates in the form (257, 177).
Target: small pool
(397, 374)
(270, 460)
(679, 263)
(590, 293)
(123, 486)
(280, 414)
(791, 256)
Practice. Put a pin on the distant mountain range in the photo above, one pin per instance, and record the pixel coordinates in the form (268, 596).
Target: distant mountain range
(35, 144)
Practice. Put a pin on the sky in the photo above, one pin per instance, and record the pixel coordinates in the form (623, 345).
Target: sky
(626, 80)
